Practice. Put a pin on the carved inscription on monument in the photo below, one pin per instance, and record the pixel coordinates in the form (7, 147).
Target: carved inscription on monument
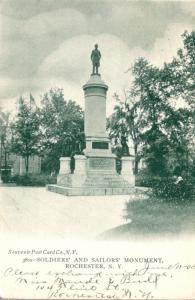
(99, 145)
(101, 163)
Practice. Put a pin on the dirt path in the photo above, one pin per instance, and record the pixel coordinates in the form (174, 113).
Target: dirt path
(35, 212)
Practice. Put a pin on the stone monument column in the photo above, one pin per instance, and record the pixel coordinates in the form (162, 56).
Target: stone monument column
(95, 115)
(127, 169)
(98, 148)
(64, 165)
(64, 171)
(79, 175)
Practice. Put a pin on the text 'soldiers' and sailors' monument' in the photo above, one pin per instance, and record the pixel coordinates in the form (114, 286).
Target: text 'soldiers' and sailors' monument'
(95, 167)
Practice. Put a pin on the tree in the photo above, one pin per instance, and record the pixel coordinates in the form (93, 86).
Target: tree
(161, 131)
(25, 131)
(126, 121)
(141, 115)
(147, 86)
(179, 86)
(4, 136)
(62, 127)
(180, 82)
(166, 135)
(4, 140)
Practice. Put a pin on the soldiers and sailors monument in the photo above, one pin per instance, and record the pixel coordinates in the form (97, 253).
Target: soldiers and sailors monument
(95, 170)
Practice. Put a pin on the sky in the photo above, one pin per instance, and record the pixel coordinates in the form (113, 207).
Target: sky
(47, 43)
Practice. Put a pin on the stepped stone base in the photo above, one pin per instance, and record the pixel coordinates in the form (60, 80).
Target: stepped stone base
(93, 180)
(89, 191)
(93, 184)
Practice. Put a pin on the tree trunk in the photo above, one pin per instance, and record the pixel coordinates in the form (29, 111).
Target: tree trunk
(136, 166)
(5, 159)
(136, 159)
(27, 164)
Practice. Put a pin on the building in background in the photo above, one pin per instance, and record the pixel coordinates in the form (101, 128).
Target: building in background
(17, 164)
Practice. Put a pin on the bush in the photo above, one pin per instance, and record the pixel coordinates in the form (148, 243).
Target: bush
(33, 179)
(172, 191)
(6, 174)
(146, 179)
(167, 188)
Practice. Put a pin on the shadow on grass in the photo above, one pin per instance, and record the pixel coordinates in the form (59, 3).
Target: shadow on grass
(154, 218)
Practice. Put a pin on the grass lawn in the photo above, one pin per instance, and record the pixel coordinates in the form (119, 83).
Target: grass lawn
(152, 217)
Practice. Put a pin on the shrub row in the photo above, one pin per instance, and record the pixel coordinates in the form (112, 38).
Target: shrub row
(168, 188)
(172, 191)
(33, 180)
(145, 179)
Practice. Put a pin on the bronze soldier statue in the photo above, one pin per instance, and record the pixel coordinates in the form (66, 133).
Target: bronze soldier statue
(95, 58)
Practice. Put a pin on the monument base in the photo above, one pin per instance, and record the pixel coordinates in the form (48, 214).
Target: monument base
(94, 184)
(89, 191)
(93, 175)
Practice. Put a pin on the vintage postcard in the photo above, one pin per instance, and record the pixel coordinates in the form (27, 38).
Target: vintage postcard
(97, 149)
